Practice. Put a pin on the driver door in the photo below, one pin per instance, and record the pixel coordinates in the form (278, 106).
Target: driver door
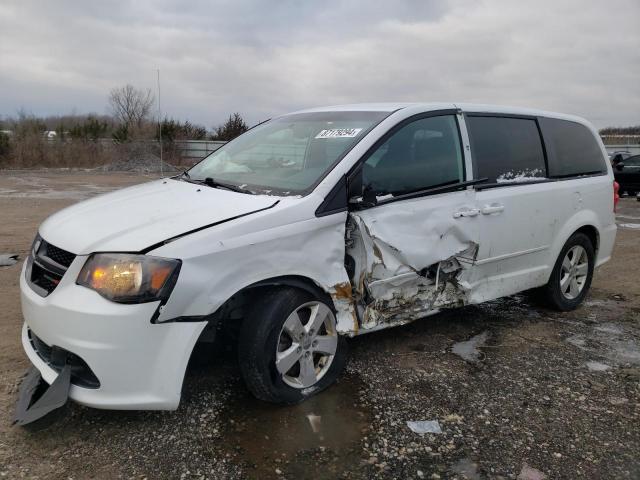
(413, 236)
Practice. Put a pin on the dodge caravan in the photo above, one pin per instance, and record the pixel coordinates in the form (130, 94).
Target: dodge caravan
(307, 229)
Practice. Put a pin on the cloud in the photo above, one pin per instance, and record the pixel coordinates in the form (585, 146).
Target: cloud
(264, 58)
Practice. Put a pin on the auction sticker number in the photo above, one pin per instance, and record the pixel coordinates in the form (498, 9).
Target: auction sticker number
(339, 133)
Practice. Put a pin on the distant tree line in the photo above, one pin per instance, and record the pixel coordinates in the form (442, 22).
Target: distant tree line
(91, 139)
(635, 130)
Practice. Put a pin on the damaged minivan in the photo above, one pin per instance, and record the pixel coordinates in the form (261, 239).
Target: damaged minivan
(309, 228)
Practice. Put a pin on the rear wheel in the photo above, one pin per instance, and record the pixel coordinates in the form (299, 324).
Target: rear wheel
(289, 347)
(572, 274)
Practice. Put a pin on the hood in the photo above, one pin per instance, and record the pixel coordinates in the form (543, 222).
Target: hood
(135, 218)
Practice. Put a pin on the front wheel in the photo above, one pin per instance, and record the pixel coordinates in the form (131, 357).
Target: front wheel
(572, 274)
(289, 347)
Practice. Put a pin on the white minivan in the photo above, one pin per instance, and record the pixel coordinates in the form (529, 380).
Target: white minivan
(312, 227)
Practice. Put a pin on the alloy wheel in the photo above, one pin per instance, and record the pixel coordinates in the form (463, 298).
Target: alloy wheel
(307, 345)
(574, 272)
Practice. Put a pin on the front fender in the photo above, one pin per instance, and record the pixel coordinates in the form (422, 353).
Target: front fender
(313, 249)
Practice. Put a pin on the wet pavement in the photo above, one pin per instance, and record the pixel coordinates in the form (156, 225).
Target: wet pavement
(535, 393)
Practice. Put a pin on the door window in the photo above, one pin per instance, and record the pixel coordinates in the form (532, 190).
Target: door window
(506, 149)
(423, 154)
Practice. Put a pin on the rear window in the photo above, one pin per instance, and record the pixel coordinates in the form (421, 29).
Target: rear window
(506, 149)
(572, 148)
(632, 161)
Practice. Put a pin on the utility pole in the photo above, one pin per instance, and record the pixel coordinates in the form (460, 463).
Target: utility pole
(160, 126)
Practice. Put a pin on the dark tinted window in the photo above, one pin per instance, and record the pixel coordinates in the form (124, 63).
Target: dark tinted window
(423, 154)
(632, 161)
(572, 148)
(506, 149)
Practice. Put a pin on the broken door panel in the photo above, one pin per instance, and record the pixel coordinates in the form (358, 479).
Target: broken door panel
(412, 257)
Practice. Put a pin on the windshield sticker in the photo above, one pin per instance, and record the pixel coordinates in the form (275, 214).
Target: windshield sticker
(339, 133)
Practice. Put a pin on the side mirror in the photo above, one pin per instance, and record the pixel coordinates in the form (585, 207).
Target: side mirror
(360, 196)
(367, 199)
(619, 166)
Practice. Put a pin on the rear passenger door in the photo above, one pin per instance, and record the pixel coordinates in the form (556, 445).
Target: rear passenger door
(516, 203)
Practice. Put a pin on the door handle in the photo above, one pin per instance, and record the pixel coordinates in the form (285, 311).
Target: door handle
(466, 212)
(493, 208)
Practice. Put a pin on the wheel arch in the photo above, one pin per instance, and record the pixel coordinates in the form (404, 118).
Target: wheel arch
(295, 281)
(592, 233)
(586, 222)
(230, 314)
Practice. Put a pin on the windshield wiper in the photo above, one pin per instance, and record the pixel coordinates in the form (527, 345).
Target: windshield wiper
(210, 182)
(183, 176)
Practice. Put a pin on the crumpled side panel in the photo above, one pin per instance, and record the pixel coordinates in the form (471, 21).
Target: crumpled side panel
(408, 269)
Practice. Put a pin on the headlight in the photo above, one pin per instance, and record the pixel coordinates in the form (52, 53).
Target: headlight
(129, 278)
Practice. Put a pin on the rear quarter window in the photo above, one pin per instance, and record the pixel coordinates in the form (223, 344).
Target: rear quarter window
(632, 161)
(505, 149)
(572, 149)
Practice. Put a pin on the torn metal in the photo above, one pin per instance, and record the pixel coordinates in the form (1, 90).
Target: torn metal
(398, 277)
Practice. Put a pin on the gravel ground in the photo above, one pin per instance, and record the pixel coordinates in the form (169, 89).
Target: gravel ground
(537, 392)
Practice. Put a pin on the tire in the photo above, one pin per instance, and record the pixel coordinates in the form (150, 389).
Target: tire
(560, 292)
(269, 330)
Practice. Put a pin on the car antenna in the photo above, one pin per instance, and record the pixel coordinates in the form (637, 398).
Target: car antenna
(160, 126)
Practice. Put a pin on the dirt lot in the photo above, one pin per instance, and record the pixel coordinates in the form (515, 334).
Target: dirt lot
(553, 394)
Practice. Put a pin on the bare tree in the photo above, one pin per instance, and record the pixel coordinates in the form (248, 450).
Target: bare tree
(130, 105)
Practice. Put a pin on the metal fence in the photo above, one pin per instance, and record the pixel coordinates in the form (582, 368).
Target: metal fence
(197, 149)
(612, 140)
(632, 149)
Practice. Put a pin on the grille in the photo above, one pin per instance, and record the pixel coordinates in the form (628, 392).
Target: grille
(58, 255)
(57, 358)
(46, 266)
(44, 279)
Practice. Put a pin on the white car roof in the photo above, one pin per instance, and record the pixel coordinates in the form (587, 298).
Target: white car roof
(426, 107)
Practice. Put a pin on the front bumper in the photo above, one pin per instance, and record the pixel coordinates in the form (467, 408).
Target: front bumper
(139, 365)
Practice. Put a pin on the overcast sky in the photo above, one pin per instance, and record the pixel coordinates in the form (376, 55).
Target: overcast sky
(263, 58)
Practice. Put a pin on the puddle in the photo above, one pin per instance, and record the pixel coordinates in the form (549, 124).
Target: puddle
(466, 468)
(530, 473)
(468, 350)
(609, 341)
(288, 438)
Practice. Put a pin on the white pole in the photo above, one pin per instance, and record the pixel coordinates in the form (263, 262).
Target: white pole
(160, 126)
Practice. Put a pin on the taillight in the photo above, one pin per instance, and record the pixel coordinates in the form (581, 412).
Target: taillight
(616, 196)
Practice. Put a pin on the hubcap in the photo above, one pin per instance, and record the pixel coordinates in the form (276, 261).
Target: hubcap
(307, 345)
(574, 271)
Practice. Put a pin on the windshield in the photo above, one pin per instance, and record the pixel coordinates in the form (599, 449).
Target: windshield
(287, 155)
